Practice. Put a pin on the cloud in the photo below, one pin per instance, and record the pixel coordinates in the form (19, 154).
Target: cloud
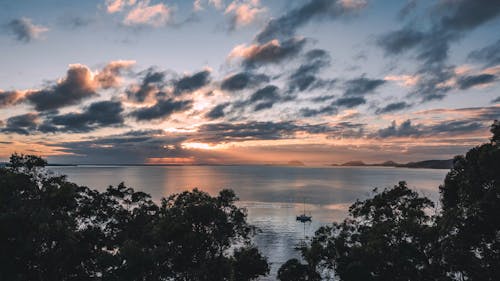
(161, 109)
(326, 110)
(361, 86)
(350, 102)
(150, 85)
(8, 98)
(253, 130)
(21, 124)
(449, 21)
(198, 5)
(313, 10)
(243, 80)
(272, 52)
(497, 100)
(407, 129)
(243, 13)
(96, 115)
(114, 6)
(399, 41)
(110, 75)
(217, 111)
(489, 54)
(396, 106)
(144, 14)
(466, 82)
(190, 83)
(305, 77)
(79, 84)
(75, 87)
(132, 147)
(263, 98)
(24, 30)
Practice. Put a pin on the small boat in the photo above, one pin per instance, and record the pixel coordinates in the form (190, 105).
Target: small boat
(303, 217)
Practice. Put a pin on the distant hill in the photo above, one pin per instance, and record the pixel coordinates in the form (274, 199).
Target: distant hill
(427, 164)
(354, 163)
(431, 164)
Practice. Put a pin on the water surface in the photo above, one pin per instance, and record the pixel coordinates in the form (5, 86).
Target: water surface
(273, 195)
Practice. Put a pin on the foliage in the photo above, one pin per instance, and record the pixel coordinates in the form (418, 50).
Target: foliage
(470, 222)
(392, 236)
(53, 229)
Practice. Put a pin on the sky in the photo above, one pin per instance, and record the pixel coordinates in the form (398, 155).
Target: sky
(247, 81)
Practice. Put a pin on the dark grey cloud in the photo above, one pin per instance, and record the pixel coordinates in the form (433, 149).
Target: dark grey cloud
(449, 22)
(273, 52)
(24, 30)
(263, 98)
(23, 124)
(150, 85)
(243, 80)
(305, 77)
(431, 84)
(466, 82)
(75, 87)
(313, 10)
(96, 115)
(253, 130)
(497, 100)
(133, 147)
(407, 129)
(450, 19)
(326, 110)
(399, 41)
(489, 54)
(466, 15)
(217, 111)
(161, 109)
(8, 98)
(350, 102)
(395, 106)
(191, 83)
(361, 86)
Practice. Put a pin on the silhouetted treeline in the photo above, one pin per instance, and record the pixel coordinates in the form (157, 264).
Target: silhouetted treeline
(397, 236)
(52, 229)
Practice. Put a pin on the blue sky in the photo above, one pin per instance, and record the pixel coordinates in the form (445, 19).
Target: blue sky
(318, 81)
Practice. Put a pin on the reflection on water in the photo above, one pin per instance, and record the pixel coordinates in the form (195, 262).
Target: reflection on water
(271, 194)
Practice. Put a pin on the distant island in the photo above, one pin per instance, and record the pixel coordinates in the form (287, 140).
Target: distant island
(427, 164)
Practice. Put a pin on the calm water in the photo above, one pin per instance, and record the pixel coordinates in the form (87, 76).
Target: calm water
(272, 195)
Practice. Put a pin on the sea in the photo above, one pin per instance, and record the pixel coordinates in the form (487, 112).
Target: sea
(272, 195)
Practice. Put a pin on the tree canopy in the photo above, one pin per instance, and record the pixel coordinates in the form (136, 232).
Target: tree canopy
(393, 235)
(52, 229)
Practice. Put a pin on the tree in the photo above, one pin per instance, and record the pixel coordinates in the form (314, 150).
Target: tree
(293, 270)
(52, 229)
(392, 237)
(387, 237)
(470, 223)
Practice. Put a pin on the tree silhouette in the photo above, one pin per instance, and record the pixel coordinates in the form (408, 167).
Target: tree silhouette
(392, 236)
(470, 222)
(387, 237)
(52, 229)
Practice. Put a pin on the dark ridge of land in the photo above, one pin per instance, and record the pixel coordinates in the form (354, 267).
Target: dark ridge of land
(427, 164)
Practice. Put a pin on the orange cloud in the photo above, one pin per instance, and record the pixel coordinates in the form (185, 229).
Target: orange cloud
(144, 14)
(244, 13)
(171, 160)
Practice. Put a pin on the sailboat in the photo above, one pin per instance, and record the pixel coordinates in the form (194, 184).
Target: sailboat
(303, 217)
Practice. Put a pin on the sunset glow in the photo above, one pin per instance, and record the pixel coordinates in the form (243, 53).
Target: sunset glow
(247, 82)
